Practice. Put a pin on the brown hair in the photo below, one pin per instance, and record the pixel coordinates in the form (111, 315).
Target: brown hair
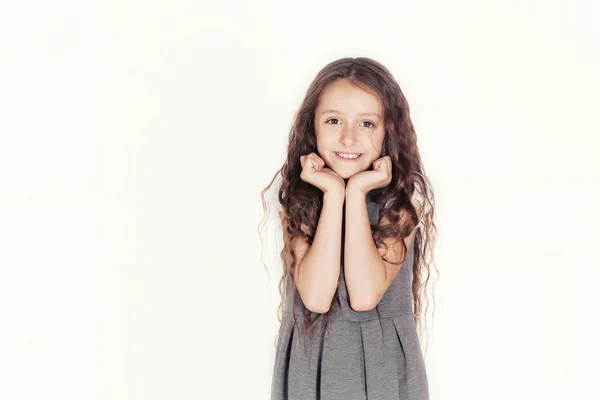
(301, 202)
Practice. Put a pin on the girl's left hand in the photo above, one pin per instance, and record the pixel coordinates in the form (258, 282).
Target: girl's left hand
(379, 177)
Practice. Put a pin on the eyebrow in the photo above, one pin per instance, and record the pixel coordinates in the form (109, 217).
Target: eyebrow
(339, 112)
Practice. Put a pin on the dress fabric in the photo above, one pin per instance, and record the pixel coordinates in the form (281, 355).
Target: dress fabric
(354, 361)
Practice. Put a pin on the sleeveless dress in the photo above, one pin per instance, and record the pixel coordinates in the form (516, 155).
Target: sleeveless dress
(354, 361)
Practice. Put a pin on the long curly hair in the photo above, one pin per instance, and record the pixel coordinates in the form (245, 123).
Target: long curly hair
(301, 202)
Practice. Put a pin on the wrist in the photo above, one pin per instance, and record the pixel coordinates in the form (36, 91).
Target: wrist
(354, 190)
(337, 193)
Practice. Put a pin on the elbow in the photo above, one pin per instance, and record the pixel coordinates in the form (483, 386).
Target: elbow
(366, 304)
(317, 305)
(314, 303)
(362, 307)
(318, 310)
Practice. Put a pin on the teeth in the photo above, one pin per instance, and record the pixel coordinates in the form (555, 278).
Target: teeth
(345, 155)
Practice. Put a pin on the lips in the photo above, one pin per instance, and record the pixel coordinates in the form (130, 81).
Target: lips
(340, 156)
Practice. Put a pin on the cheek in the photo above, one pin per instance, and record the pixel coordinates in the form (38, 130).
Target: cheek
(322, 148)
(325, 135)
(378, 138)
(374, 142)
(325, 138)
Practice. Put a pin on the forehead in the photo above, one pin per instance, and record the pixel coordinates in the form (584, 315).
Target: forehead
(344, 96)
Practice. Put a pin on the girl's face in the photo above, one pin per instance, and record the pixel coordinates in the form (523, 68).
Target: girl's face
(348, 120)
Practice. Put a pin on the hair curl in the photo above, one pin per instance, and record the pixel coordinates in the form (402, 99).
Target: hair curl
(301, 202)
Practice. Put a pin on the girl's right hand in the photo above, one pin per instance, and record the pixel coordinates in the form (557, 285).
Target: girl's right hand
(315, 173)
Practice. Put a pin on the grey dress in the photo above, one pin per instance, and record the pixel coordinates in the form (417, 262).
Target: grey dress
(354, 361)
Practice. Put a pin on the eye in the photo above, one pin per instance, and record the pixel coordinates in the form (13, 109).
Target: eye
(372, 124)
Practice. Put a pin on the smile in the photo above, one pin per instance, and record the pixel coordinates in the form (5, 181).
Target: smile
(348, 156)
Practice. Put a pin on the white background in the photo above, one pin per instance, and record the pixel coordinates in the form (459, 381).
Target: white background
(136, 137)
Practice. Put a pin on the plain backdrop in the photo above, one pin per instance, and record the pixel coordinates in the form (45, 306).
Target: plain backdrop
(136, 137)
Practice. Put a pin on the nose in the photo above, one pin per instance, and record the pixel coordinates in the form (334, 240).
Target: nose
(348, 137)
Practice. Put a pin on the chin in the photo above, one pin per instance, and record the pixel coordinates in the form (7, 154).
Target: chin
(347, 175)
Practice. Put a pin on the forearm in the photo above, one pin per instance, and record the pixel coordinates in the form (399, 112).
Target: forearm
(320, 268)
(363, 265)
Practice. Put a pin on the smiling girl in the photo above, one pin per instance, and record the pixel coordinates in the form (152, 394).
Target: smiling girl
(357, 219)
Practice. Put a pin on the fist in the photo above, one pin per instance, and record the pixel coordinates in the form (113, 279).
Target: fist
(315, 173)
(379, 177)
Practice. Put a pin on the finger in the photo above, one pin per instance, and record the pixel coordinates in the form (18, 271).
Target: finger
(315, 164)
(317, 159)
(388, 168)
(385, 162)
(389, 163)
(313, 161)
(318, 162)
(385, 166)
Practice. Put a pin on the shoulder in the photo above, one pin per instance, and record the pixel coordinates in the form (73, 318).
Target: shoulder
(418, 196)
(299, 241)
(418, 202)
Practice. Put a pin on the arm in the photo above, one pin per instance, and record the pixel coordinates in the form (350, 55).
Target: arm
(318, 264)
(368, 276)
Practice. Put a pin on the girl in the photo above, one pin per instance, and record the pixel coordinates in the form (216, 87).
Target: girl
(357, 219)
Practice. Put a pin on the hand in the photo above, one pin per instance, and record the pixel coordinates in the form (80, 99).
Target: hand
(379, 177)
(315, 173)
